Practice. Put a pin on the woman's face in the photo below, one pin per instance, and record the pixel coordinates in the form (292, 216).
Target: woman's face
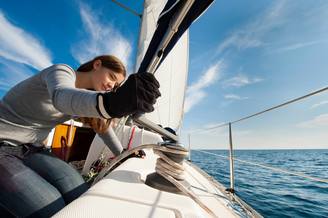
(104, 79)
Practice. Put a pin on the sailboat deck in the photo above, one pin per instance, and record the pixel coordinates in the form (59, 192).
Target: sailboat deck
(123, 193)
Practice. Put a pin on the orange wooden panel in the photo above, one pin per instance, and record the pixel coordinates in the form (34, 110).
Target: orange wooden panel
(62, 130)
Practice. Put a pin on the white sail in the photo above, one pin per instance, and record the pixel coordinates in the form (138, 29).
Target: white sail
(172, 74)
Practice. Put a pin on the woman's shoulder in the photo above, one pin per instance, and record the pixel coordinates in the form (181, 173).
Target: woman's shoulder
(59, 69)
(64, 67)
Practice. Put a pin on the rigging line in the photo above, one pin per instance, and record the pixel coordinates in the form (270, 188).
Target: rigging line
(283, 104)
(266, 110)
(127, 8)
(271, 168)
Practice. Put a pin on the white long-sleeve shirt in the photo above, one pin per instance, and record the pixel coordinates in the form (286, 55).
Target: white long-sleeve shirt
(34, 106)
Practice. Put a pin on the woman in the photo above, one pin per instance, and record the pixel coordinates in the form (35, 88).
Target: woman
(32, 181)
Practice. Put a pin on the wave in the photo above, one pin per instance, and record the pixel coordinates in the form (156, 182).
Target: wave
(274, 194)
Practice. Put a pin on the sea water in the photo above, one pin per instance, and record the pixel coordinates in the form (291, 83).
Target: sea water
(274, 194)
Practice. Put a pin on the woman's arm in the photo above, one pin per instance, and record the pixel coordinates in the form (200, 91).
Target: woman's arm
(60, 81)
(136, 95)
(111, 140)
(103, 128)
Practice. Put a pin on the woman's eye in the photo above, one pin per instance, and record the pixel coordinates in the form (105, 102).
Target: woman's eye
(112, 77)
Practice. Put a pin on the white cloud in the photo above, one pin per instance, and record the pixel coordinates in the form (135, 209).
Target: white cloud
(12, 73)
(239, 41)
(4, 86)
(319, 104)
(195, 92)
(234, 97)
(192, 99)
(299, 45)
(250, 35)
(240, 80)
(102, 38)
(208, 78)
(20, 46)
(318, 121)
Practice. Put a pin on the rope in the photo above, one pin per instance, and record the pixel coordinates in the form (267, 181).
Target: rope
(271, 168)
(161, 168)
(166, 165)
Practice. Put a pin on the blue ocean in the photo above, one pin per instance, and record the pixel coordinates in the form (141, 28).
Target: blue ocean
(274, 194)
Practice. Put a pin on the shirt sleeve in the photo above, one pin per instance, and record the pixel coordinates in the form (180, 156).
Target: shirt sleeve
(111, 140)
(60, 80)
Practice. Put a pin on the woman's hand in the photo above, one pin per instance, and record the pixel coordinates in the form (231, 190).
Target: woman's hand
(137, 94)
(98, 125)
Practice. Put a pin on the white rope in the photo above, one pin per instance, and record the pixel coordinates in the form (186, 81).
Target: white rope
(271, 168)
(165, 164)
(174, 172)
(160, 169)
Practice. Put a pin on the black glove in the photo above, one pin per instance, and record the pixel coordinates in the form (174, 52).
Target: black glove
(137, 94)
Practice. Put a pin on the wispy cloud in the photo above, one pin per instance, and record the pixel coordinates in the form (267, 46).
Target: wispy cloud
(102, 38)
(240, 80)
(299, 45)
(195, 92)
(319, 104)
(318, 121)
(18, 45)
(209, 77)
(234, 97)
(239, 41)
(12, 73)
(192, 99)
(250, 35)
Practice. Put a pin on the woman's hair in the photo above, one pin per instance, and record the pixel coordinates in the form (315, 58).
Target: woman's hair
(113, 63)
(109, 61)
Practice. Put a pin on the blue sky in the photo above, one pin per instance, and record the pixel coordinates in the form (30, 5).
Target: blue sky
(245, 56)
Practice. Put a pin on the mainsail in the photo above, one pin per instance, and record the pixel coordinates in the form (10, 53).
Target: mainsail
(173, 57)
(172, 74)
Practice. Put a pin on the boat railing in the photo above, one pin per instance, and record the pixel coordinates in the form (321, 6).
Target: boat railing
(231, 147)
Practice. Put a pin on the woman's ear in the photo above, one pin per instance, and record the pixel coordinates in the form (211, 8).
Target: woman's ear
(96, 64)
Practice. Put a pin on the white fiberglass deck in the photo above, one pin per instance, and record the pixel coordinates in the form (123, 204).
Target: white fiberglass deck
(123, 194)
